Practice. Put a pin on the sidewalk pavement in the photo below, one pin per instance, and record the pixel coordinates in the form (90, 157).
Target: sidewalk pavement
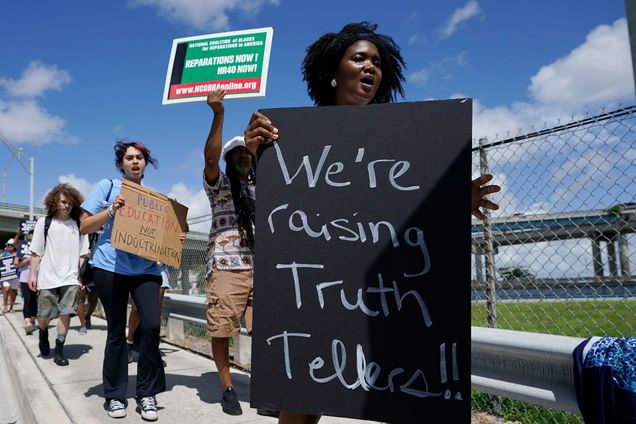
(73, 394)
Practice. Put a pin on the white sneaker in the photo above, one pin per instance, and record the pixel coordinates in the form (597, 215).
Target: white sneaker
(148, 407)
(116, 409)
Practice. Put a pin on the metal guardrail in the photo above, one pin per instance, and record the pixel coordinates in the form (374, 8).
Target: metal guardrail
(179, 308)
(530, 367)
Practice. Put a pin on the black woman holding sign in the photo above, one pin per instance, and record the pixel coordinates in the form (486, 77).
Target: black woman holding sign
(116, 274)
(355, 66)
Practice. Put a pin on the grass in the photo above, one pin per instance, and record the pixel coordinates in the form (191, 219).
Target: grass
(514, 410)
(202, 332)
(566, 318)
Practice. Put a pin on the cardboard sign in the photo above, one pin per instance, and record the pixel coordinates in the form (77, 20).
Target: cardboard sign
(236, 62)
(149, 225)
(362, 272)
(8, 270)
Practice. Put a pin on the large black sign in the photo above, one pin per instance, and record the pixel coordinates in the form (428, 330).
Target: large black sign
(362, 273)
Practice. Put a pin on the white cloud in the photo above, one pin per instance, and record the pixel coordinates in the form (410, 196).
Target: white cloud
(443, 68)
(204, 14)
(419, 77)
(22, 118)
(598, 71)
(417, 39)
(36, 79)
(82, 185)
(459, 16)
(25, 121)
(196, 201)
(412, 16)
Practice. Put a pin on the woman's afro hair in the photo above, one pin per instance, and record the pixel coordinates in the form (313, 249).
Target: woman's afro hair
(323, 58)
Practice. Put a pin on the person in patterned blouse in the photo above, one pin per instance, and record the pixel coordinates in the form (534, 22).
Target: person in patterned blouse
(229, 261)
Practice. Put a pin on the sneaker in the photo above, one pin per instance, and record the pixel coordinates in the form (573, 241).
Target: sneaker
(82, 331)
(28, 328)
(88, 321)
(268, 412)
(116, 409)
(230, 403)
(45, 346)
(148, 407)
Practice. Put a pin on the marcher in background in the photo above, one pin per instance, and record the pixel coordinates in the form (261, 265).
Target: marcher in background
(9, 287)
(30, 299)
(355, 66)
(229, 261)
(57, 252)
(85, 312)
(118, 274)
(88, 291)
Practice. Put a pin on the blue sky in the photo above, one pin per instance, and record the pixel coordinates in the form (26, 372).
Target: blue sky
(75, 75)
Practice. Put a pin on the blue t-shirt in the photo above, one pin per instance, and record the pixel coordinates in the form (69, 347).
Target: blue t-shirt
(106, 256)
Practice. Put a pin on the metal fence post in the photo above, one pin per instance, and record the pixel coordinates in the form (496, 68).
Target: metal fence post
(185, 281)
(491, 294)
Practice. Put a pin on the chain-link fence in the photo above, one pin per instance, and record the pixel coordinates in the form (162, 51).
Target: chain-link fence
(555, 258)
(190, 278)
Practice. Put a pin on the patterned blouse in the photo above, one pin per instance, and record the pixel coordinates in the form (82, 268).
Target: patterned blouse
(225, 250)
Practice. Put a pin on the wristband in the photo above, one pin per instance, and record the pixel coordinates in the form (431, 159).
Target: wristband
(111, 211)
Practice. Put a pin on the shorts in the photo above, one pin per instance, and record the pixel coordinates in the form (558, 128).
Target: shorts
(58, 301)
(230, 298)
(14, 284)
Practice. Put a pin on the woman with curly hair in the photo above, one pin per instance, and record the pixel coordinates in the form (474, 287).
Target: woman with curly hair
(57, 252)
(116, 275)
(355, 66)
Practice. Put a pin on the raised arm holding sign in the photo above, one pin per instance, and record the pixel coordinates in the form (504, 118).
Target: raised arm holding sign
(229, 262)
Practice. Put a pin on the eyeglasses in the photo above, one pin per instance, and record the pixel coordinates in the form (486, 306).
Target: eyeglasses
(9, 245)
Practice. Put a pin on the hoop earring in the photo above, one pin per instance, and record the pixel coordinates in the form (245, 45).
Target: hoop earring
(334, 83)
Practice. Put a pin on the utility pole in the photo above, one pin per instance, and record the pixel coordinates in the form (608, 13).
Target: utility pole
(17, 152)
